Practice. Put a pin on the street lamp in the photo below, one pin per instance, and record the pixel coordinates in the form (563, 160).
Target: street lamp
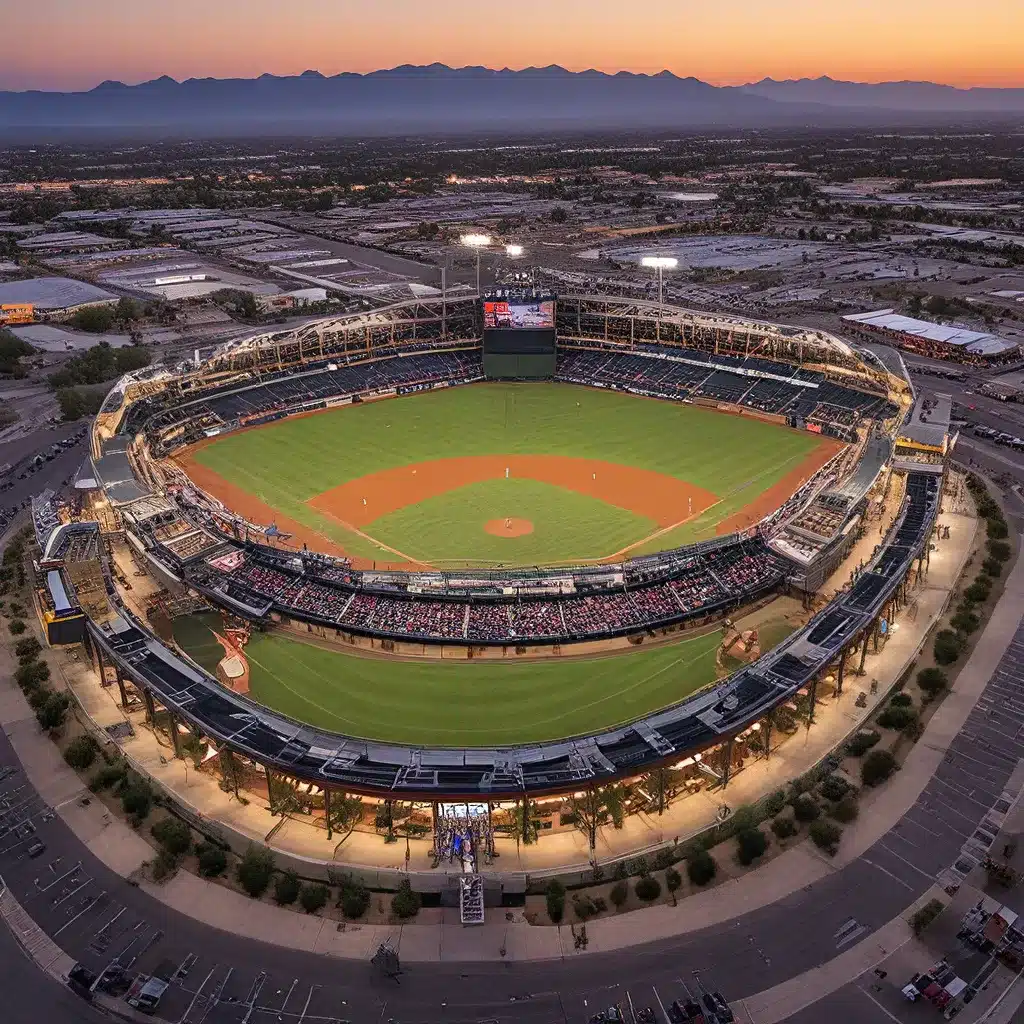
(477, 242)
(661, 264)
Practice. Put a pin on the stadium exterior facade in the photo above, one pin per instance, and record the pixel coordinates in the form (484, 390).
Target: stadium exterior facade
(801, 377)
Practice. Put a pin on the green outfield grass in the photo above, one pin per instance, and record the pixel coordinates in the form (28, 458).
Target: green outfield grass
(287, 463)
(481, 703)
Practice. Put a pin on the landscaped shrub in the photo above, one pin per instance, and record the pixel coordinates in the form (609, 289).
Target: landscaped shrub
(584, 907)
(877, 767)
(255, 870)
(619, 894)
(81, 752)
(826, 835)
(52, 714)
(665, 857)
(405, 903)
(999, 550)
(834, 787)
(743, 817)
(16, 626)
(701, 867)
(163, 865)
(932, 681)
(27, 648)
(923, 917)
(286, 889)
(31, 674)
(136, 797)
(997, 529)
(990, 567)
(784, 827)
(901, 700)
(313, 897)
(212, 860)
(555, 897)
(109, 775)
(173, 835)
(805, 808)
(647, 888)
(965, 622)
(896, 717)
(862, 742)
(775, 802)
(948, 646)
(673, 880)
(354, 898)
(750, 843)
(845, 810)
(979, 590)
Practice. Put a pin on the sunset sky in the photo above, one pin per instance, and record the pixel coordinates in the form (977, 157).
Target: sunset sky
(74, 44)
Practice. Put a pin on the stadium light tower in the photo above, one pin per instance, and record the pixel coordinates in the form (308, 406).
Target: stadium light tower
(661, 264)
(477, 242)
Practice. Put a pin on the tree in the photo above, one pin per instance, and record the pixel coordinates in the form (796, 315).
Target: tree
(862, 742)
(16, 627)
(925, 915)
(255, 870)
(32, 675)
(992, 567)
(877, 767)
(846, 810)
(286, 889)
(805, 808)
(127, 310)
(784, 827)
(285, 798)
(657, 783)
(965, 622)
(94, 319)
(647, 888)
(313, 897)
(896, 717)
(27, 649)
(558, 215)
(81, 752)
(173, 835)
(345, 812)
(619, 894)
(673, 880)
(999, 550)
(406, 903)
(701, 867)
(136, 797)
(12, 351)
(586, 815)
(614, 799)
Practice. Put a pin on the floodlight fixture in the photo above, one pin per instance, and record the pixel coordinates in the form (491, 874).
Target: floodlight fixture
(513, 250)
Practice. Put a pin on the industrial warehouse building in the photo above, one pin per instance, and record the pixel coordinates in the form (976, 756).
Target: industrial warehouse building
(937, 341)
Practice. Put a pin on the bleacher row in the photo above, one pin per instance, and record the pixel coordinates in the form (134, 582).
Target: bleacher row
(641, 370)
(722, 578)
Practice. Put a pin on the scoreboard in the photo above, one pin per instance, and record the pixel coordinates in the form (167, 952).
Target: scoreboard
(519, 336)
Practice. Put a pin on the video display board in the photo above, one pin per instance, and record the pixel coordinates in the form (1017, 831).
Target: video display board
(519, 314)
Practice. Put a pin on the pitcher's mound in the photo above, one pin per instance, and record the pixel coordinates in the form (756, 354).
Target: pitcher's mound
(509, 527)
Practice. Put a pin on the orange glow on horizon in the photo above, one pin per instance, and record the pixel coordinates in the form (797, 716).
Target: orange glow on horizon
(946, 41)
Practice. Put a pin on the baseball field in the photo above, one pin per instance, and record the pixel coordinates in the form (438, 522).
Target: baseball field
(506, 474)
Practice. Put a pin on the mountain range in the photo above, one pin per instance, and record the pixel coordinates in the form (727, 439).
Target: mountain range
(437, 98)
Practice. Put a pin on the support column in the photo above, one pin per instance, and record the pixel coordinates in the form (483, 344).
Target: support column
(842, 670)
(147, 699)
(327, 812)
(120, 686)
(270, 788)
(228, 767)
(814, 701)
(175, 738)
(864, 652)
(728, 764)
(767, 725)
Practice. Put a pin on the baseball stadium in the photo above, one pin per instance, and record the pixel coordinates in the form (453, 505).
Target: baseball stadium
(461, 562)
